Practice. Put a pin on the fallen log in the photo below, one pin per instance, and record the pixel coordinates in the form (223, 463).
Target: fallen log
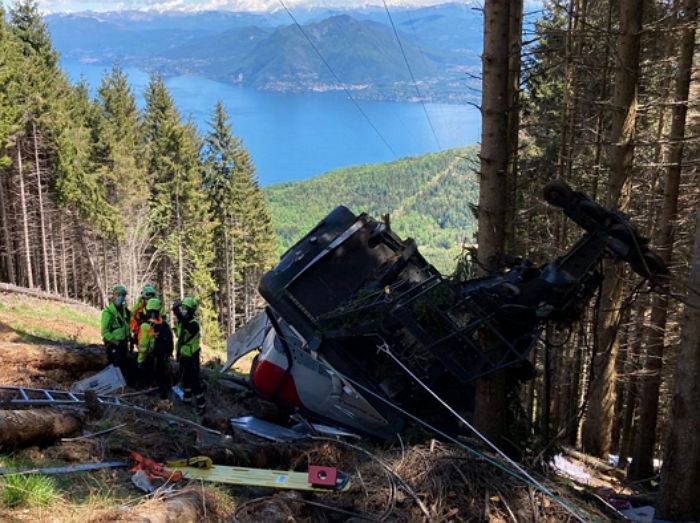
(593, 462)
(48, 365)
(37, 293)
(22, 428)
(184, 507)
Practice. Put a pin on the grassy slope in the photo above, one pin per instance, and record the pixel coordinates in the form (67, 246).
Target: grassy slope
(33, 318)
(30, 329)
(28, 323)
(426, 196)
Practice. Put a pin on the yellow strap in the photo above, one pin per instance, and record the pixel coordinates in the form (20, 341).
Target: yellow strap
(200, 462)
(281, 479)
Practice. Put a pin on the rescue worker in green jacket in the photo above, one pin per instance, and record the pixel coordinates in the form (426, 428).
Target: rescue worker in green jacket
(115, 329)
(155, 348)
(138, 311)
(188, 351)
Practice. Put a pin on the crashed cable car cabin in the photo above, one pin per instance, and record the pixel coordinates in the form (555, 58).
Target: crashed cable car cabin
(358, 323)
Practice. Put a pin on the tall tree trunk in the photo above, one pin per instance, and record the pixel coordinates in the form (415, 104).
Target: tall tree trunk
(598, 425)
(226, 284)
(598, 149)
(496, 144)
(566, 125)
(6, 236)
(25, 218)
(77, 287)
(514, 61)
(547, 389)
(642, 460)
(531, 393)
(105, 272)
(575, 390)
(570, 358)
(232, 283)
(180, 258)
(627, 430)
(558, 361)
(679, 494)
(101, 284)
(64, 265)
(167, 279)
(247, 290)
(54, 265)
(120, 274)
(620, 383)
(42, 220)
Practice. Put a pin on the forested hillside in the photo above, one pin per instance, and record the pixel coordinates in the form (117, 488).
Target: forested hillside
(604, 95)
(95, 192)
(427, 198)
(270, 52)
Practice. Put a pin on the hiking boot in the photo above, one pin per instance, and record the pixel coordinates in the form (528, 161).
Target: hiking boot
(200, 403)
(187, 396)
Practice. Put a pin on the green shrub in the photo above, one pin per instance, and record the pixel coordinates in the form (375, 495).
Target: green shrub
(28, 490)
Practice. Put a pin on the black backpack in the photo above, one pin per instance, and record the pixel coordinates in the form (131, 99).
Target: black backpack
(164, 341)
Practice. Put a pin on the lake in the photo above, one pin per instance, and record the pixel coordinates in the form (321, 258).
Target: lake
(297, 136)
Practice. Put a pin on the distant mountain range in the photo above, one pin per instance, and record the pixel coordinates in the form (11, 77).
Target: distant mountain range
(266, 51)
(426, 196)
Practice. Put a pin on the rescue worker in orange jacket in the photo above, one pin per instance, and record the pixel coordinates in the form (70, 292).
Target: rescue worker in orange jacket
(138, 312)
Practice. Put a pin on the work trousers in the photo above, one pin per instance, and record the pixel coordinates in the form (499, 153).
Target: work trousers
(191, 384)
(157, 368)
(117, 355)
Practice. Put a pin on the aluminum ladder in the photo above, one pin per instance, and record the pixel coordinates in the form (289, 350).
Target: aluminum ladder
(26, 396)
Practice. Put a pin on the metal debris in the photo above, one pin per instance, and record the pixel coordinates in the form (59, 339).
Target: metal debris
(108, 380)
(265, 429)
(66, 470)
(280, 434)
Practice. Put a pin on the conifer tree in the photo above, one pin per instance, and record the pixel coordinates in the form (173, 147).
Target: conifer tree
(597, 428)
(42, 88)
(31, 30)
(180, 213)
(498, 146)
(118, 155)
(78, 185)
(9, 106)
(9, 109)
(243, 234)
(219, 165)
(42, 82)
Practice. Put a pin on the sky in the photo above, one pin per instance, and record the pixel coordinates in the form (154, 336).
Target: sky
(54, 6)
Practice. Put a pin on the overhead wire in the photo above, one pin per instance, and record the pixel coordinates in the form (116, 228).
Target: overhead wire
(519, 473)
(337, 79)
(413, 78)
(482, 437)
(526, 478)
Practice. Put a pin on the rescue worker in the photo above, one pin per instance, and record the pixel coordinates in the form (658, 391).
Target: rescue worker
(188, 351)
(115, 329)
(138, 312)
(155, 348)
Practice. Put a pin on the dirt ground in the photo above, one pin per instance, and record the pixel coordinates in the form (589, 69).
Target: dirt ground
(422, 481)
